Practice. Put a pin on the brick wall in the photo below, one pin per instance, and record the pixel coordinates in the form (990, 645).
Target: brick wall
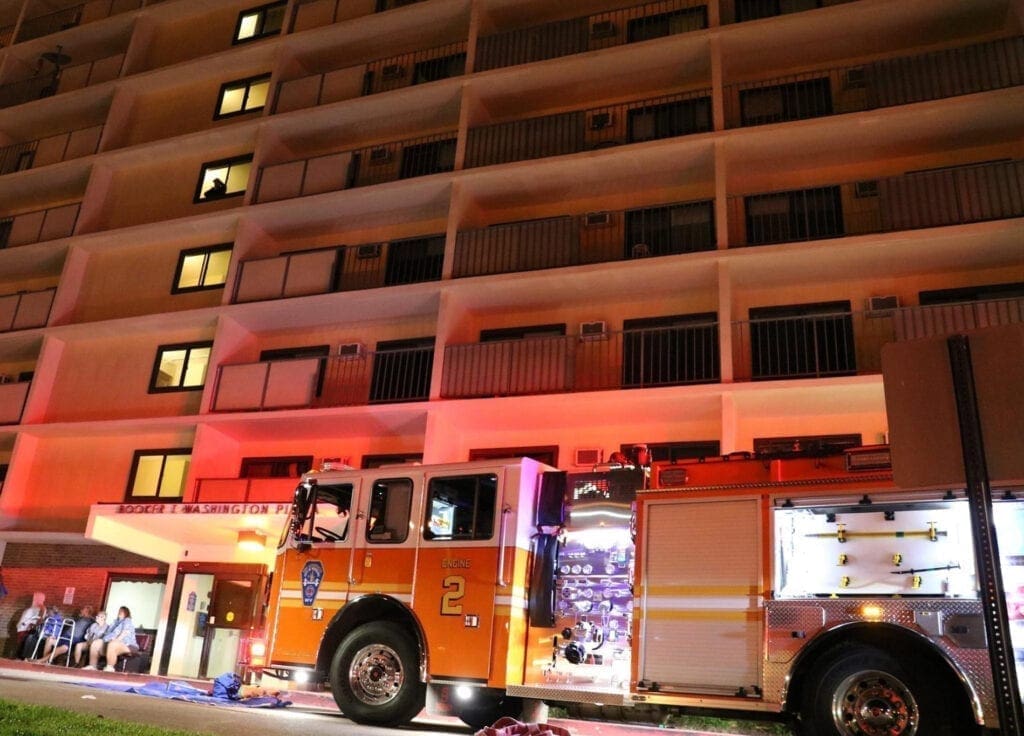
(51, 568)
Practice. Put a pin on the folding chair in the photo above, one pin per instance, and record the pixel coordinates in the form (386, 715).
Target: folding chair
(64, 634)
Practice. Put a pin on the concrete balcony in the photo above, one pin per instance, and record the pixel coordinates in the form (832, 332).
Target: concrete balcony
(50, 150)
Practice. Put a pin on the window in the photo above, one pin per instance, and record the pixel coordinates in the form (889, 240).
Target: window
(669, 119)
(522, 333)
(275, 467)
(333, 512)
(398, 458)
(987, 292)
(390, 508)
(6, 225)
(754, 9)
(266, 20)
(159, 474)
(547, 454)
(675, 451)
(414, 260)
(810, 98)
(665, 351)
(662, 231)
(202, 268)
(401, 370)
(667, 24)
(180, 367)
(805, 214)
(431, 70)
(242, 95)
(802, 340)
(226, 178)
(423, 159)
(461, 507)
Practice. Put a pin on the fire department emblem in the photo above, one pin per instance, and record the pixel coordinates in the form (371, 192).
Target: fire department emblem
(312, 574)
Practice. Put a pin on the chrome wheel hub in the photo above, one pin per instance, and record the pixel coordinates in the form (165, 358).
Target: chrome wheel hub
(874, 704)
(376, 674)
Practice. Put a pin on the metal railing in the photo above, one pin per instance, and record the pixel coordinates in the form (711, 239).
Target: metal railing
(951, 196)
(738, 11)
(44, 25)
(911, 323)
(884, 83)
(67, 79)
(361, 167)
(645, 358)
(580, 130)
(589, 32)
(243, 490)
(595, 237)
(361, 378)
(344, 268)
(55, 148)
(38, 226)
(26, 309)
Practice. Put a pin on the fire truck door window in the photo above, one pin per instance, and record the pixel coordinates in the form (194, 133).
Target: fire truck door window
(390, 509)
(333, 506)
(461, 507)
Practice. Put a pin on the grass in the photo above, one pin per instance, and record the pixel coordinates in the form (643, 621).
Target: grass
(727, 725)
(18, 719)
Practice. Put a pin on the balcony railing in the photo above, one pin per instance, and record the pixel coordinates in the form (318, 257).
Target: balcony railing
(346, 268)
(362, 167)
(44, 25)
(911, 323)
(49, 150)
(885, 83)
(665, 356)
(65, 80)
(596, 237)
(38, 226)
(26, 90)
(381, 75)
(25, 310)
(590, 32)
(581, 130)
(363, 377)
(315, 13)
(975, 193)
(13, 395)
(244, 490)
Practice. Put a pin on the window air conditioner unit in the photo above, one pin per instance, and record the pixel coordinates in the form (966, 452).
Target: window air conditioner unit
(881, 306)
(855, 78)
(589, 456)
(380, 155)
(368, 251)
(393, 71)
(602, 29)
(867, 188)
(600, 120)
(351, 350)
(597, 219)
(593, 330)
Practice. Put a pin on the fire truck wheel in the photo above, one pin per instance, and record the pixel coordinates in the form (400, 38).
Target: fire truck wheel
(375, 675)
(862, 691)
(486, 709)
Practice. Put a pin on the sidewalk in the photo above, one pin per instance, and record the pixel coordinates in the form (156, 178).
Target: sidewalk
(304, 699)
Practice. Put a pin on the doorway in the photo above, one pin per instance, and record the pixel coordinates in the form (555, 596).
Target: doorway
(213, 609)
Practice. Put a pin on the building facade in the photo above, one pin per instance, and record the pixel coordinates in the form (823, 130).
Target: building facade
(240, 240)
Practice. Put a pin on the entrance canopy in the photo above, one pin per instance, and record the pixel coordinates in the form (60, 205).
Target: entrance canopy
(171, 532)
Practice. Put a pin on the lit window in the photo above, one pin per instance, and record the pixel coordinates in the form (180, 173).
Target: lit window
(243, 95)
(226, 178)
(266, 20)
(159, 474)
(202, 268)
(180, 367)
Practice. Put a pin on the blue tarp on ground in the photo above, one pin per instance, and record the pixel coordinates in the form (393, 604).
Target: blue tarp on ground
(177, 690)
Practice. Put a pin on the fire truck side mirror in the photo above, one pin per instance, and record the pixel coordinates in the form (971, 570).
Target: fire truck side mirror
(301, 504)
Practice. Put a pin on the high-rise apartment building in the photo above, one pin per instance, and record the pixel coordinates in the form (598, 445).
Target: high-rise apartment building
(240, 240)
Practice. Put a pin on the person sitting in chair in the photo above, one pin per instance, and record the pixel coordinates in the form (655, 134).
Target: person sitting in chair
(68, 637)
(119, 639)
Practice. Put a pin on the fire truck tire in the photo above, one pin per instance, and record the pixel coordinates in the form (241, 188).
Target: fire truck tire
(862, 691)
(375, 675)
(487, 709)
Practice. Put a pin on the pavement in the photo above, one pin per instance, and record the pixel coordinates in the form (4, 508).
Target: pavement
(314, 701)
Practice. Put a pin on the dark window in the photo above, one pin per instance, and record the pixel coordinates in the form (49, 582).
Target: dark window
(390, 508)
(158, 475)
(664, 351)
(802, 340)
(547, 454)
(818, 445)
(275, 467)
(180, 367)
(266, 20)
(414, 260)
(669, 119)
(242, 95)
(754, 9)
(3, 471)
(667, 24)
(6, 225)
(225, 178)
(804, 214)
(461, 508)
(661, 231)
(401, 370)
(332, 513)
(522, 333)
(431, 70)
(674, 451)
(202, 268)
(376, 461)
(810, 98)
(423, 159)
(972, 294)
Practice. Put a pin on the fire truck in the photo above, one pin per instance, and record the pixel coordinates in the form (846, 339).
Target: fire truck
(804, 585)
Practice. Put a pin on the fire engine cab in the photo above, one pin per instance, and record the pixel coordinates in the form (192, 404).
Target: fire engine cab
(807, 585)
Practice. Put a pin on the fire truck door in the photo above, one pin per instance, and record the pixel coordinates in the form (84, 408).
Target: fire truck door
(384, 556)
(458, 577)
(701, 594)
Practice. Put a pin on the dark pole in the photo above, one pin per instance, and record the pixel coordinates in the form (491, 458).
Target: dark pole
(986, 549)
